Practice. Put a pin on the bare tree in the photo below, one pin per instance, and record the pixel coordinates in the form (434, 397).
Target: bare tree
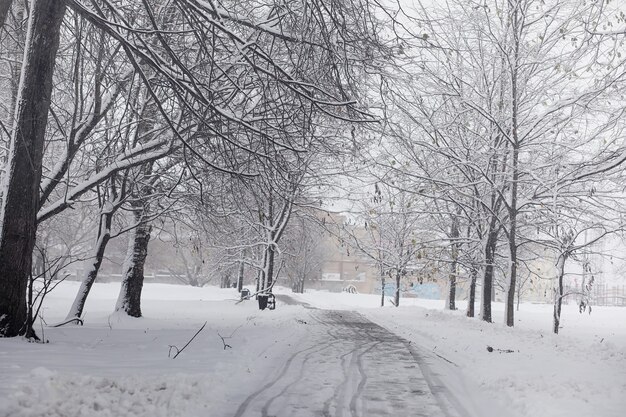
(388, 232)
(304, 252)
(110, 201)
(20, 193)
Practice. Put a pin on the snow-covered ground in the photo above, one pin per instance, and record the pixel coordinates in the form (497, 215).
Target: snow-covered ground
(116, 366)
(580, 372)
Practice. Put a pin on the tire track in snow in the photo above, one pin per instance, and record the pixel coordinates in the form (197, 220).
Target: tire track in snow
(244, 405)
(339, 395)
(366, 368)
(359, 389)
(299, 378)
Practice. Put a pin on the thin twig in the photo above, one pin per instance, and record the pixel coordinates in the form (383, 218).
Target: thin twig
(179, 351)
(491, 349)
(441, 357)
(226, 345)
(78, 320)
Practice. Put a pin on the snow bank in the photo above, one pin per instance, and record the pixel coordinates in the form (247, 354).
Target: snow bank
(534, 373)
(76, 395)
(119, 366)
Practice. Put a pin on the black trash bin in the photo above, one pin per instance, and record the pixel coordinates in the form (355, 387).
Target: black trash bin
(245, 294)
(262, 298)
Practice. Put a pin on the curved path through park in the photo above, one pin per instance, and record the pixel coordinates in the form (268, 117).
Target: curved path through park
(349, 366)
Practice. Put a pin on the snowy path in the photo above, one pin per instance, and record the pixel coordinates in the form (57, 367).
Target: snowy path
(379, 375)
(319, 363)
(296, 361)
(300, 361)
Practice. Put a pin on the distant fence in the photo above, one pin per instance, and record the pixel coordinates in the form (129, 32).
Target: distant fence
(108, 277)
(602, 295)
(429, 290)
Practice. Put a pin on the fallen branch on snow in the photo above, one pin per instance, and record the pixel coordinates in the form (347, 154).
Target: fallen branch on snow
(77, 320)
(179, 351)
(490, 349)
(441, 357)
(226, 345)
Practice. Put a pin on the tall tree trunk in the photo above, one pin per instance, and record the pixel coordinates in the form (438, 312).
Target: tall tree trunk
(451, 296)
(558, 293)
(129, 300)
(20, 190)
(397, 294)
(471, 297)
(509, 307)
(271, 255)
(240, 276)
(5, 6)
(259, 277)
(102, 239)
(260, 281)
(490, 253)
(454, 255)
(509, 310)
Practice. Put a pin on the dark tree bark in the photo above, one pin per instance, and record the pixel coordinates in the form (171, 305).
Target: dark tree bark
(259, 277)
(490, 255)
(5, 6)
(558, 293)
(471, 297)
(271, 255)
(20, 202)
(225, 281)
(510, 298)
(396, 299)
(260, 280)
(240, 277)
(129, 300)
(454, 255)
(382, 291)
(268, 264)
(451, 304)
(487, 288)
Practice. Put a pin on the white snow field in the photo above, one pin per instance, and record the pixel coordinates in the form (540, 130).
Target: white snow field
(116, 366)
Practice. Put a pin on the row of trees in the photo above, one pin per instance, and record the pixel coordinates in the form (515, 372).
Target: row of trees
(188, 109)
(503, 128)
(493, 129)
